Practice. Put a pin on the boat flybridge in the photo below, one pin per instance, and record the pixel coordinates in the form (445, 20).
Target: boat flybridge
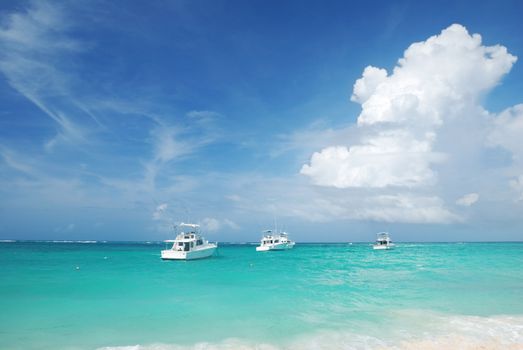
(273, 240)
(383, 241)
(189, 244)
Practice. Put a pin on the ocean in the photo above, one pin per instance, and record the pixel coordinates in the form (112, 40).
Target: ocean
(108, 295)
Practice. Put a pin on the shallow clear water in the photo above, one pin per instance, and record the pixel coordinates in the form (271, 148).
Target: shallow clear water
(329, 296)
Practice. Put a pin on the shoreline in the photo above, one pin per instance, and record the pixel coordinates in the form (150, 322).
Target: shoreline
(498, 332)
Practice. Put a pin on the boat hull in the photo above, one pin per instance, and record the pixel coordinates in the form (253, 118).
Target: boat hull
(279, 246)
(382, 247)
(170, 254)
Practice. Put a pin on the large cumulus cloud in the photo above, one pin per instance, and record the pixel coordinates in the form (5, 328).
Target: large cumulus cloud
(417, 121)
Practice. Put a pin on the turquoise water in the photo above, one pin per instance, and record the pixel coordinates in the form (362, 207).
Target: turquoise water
(328, 296)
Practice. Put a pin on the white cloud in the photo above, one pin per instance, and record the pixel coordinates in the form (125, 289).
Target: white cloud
(517, 185)
(213, 224)
(406, 208)
(203, 118)
(468, 199)
(234, 197)
(40, 57)
(409, 141)
(389, 158)
(507, 132)
(317, 135)
(294, 198)
(34, 44)
(167, 144)
(40, 48)
(365, 87)
(231, 224)
(160, 209)
(173, 142)
(14, 161)
(437, 80)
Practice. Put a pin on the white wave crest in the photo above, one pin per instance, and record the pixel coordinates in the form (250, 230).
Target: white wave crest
(67, 241)
(449, 332)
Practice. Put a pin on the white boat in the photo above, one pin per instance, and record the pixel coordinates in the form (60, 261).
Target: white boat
(274, 241)
(383, 241)
(189, 245)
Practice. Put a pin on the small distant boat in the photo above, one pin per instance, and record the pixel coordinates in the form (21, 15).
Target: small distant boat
(274, 241)
(383, 241)
(189, 245)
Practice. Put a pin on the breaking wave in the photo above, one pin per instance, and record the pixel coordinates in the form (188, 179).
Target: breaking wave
(454, 332)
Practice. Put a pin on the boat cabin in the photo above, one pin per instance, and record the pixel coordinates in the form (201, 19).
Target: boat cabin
(383, 241)
(271, 238)
(383, 238)
(188, 244)
(187, 241)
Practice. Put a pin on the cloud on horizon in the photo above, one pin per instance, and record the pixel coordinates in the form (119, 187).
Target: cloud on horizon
(468, 199)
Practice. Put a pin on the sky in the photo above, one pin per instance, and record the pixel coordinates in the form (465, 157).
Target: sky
(333, 120)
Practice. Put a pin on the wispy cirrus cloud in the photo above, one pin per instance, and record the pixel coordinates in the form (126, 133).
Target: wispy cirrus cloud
(36, 48)
(41, 57)
(174, 142)
(12, 160)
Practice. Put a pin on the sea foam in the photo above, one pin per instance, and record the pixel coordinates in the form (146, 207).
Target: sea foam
(446, 332)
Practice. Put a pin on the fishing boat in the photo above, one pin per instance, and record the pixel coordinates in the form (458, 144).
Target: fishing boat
(273, 240)
(383, 241)
(189, 244)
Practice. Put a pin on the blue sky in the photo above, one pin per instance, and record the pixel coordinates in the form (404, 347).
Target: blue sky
(120, 118)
